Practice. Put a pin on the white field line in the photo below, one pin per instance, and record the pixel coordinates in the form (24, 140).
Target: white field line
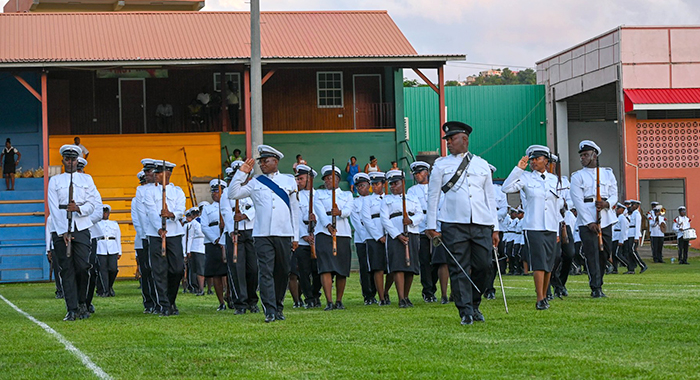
(69, 346)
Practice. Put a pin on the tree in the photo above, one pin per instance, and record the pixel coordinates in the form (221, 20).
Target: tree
(508, 77)
(527, 77)
(410, 83)
(452, 83)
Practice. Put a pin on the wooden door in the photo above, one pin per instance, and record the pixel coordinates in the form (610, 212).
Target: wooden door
(367, 98)
(132, 104)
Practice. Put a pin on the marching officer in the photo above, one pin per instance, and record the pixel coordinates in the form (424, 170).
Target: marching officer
(634, 238)
(376, 236)
(468, 219)
(369, 291)
(74, 264)
(109, 251)
(275, 229)
(680, 224)
(148, 291)
(213, 218)
(584, 183)
(309, 279)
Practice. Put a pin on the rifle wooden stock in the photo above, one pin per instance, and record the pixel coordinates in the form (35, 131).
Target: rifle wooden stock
(163, 219)
(69, 215)
(407, 257)
(333, 217)
(312, 225)
(235, 233)
(598, 199)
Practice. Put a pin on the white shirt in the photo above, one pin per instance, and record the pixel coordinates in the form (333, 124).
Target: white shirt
(543, 199)
(195, 237)
(361, 233)
(570, 219)
(210, 215)
(680, 224)
(470, 200)
(304, 215)
(47, 230)
(583, 186)
(393, 204)
(245, 207)
(141, 213)
(272, 216)
(507, 232)
(136, 221)
(655, 226)
(83, 151)
(518, 231)
(152, 203)
(501, 207)
(111, 242)
(635, 228)
(203, 98)
(420, 192)
(96, 218)
(85, 196)
(577, 235)
(370, 216)
(323, 202)
(620, 229)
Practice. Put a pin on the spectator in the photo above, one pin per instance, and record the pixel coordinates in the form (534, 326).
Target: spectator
(232, 103)
(84, 151)
(300, 161)
(352, 168)
(236, 156)
(394, 165)
(372, 166)
(164, 113)
(9, 164)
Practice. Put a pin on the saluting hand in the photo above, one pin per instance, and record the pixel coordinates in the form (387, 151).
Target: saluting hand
(522, 164)
(247, 166)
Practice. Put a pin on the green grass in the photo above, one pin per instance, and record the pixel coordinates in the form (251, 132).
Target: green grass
(648, 328)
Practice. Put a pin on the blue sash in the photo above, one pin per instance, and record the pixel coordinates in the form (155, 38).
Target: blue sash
(275, 188)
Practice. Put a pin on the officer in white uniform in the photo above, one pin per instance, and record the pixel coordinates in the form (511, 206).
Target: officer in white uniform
(309, 279)
(74, 267)
(136, 222)
(212, 218)
(469, 220)
(109, 251)
(376, 236)
(195, 250)
(502, 213)
(428, 272)
(657, 230)
(680, 224)
(167, 270)
(140, 218)
(620, 257)
(275, 229)
(243, 271)
(369, 290)
(583, 195)
(634, 238)
(95, 234)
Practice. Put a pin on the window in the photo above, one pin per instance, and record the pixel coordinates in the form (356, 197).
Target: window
(233, 77)
(329, 89)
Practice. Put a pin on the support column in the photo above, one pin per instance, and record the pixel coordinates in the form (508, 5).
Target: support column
(255, 78)
(443, 110)
(562, 128)
(45, 139)
(247, 110)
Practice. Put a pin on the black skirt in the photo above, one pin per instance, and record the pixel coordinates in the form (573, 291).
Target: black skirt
(9, 167)
(540, 249)
(214, 263)
(397, 254)
(327, 263)
(198, 262)
(376, 256)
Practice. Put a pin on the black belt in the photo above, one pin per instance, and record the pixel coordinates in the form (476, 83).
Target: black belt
(394, 215)
(110, 238)
(306, 222)
(328, 213)
(375, 216)
(518, 233)
(213, 224)
(425, 211)
(62, 207)
(589, 200)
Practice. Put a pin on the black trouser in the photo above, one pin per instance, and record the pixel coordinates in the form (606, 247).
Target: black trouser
(471, 246)
(309, 278)
(633, 258)
(56, 273)
(75, 270)
(578, 255)
(518, 257)
(562, 263)
(107, 273)
(428, 272)
(94, 272)
(596, 260)
(511, 258)
(167, 271)
(683, 250)
(621, 257)
(148, 290)
(657, 247)
(274, 253)
(243, 274)
(369, 289)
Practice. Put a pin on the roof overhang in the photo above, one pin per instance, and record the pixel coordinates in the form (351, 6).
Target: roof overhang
(662, 99)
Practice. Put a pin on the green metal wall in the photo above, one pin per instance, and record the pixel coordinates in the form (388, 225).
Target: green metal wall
(506, 120)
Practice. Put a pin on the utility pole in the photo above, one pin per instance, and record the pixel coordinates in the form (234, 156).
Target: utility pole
(256, 129)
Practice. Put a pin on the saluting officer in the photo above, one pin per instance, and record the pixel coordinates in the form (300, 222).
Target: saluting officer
(167, 270)
(583, 194)
(369, 290)
(215, 241)
(469, 221)
(74, 268)
(275, 229)
(309, 279)
(376, 236)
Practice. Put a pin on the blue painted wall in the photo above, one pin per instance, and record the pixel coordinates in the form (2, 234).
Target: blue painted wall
(20, 117)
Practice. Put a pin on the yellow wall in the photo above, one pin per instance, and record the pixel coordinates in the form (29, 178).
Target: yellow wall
(114, 161)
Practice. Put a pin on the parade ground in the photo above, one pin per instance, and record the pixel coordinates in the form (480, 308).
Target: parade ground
(647, 328)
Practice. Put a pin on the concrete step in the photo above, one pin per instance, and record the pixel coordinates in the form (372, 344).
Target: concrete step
(21, 195)
(22, 184)
(21, 219)
(21, 233)
(22, 207)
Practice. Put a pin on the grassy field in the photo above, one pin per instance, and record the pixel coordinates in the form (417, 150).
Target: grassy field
(648, 328)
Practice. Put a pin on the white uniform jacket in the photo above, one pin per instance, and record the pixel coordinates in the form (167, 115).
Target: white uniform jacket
(501, 207)
(210, 224)
(136, 221)
(195, 237)
(111, 241)
(272, 216)
(304, 215)
(655, 226)
(152, 204)
(370, 216)
(680, 224)
(361, 233)
(420, 192)
(391, 214)
(323, 200)
(620, 229)
(583, 195)
(544, 202)
(245, 207)
(635, 228)
(471, 200)
(85, 195)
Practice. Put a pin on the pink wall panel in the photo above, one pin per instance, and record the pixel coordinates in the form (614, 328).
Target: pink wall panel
(684, 45)
(645, 76)
(644, 45)
(686, 75)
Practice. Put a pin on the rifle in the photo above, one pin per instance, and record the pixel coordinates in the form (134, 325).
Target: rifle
(405, 227)
(598, 199)
(69, 232)
(312, 225)
(221, 222)
(235, 233)
(564, 235)
(333, 217)
(163, 219)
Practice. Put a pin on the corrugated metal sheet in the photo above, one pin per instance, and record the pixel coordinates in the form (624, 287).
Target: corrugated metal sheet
(661, 96)
(506, 120)
(146, 36)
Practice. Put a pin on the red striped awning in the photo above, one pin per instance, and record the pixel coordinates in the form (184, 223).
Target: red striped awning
(662, 99)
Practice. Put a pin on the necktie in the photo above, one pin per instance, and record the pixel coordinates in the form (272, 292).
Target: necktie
(542, 176)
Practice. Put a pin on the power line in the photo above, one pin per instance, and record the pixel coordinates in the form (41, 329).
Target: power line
(488, 64)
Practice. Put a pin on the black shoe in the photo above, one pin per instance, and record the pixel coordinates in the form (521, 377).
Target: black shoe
(339, 305)
(165, 313)
(403, 304)
(444, 300)
(297, 305)
(549, 297)
(254, 309)
(477, 316)
(597, 293)
(209, 292)
(614, 271)
(70, 316)
(644, 269)
(91, 309)
(373, 301)
(408, 302)
(199, 293)
(490, 296)
(366, 303)
(174, 310)
(629, 272)
(148, 310)
(564, 292)
(111, 293)
(59, 295)
(382, 303)
(662, 262)
(601, 294)
(269, 318)
(230, 305)
(279, 317)
(541, 305)
(329, 306)
(83, 312)
(221, 307)
(467, 320)
(239, 311)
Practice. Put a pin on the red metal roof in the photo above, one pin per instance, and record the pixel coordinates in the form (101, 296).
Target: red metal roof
(661, 96)
(160, 36)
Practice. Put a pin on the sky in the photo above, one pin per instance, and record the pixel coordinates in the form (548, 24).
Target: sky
(496, 34)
